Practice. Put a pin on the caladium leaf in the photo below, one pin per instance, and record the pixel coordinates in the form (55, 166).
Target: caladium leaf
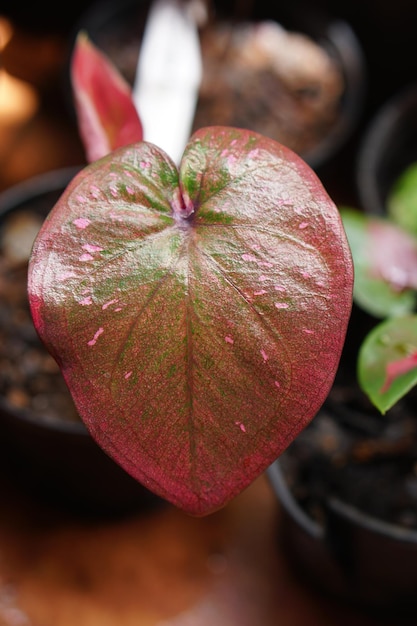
(106, 114)
(387, 363)
(385, 260)
(198, 316)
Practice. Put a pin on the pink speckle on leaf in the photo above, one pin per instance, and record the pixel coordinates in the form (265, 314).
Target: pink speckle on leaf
(114, 192)
(130, 190)
(229, 339)
(128, 374)
(93, 341)
(92, 248)
(308, 331)
(86, 301)
(277, 384)
(94, 192)
(82, 222)
(279, 288)
(116, 217)
(261, 292)
(303, 225)
(86, 257)
(264, 355)
(248, 257)
(281, 305)
(241, 426)
(109, 303)
(66, 275)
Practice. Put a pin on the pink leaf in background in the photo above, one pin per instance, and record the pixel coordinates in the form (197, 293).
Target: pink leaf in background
(107, 117)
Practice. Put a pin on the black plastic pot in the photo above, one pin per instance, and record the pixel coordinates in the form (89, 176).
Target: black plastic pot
(339, 547)
(56, 460)
(117, 28)
(388, 147)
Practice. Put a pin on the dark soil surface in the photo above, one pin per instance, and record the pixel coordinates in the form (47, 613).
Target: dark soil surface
(352, 452)
(30, 379)
(265, 78)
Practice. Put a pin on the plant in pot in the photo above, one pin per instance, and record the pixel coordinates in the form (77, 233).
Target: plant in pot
(197, 312)
(348, 484)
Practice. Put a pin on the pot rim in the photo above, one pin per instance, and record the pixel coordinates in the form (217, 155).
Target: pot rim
(337, 507)
(381, 131)
(51, 180)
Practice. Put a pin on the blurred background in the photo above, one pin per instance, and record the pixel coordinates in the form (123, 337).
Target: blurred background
(35, 41)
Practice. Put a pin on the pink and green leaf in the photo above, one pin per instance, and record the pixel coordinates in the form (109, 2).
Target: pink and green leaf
(198, 315)
(385, 261)
(387, 364)
(106, 115)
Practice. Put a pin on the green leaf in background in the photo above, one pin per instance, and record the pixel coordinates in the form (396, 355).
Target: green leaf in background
(387, 363)
(402, 200)
(385, 263)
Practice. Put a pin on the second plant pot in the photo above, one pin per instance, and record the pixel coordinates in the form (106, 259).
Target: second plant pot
(347, 489)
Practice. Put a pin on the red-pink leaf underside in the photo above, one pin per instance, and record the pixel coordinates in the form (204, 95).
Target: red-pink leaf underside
(198, 317)
(107, 117)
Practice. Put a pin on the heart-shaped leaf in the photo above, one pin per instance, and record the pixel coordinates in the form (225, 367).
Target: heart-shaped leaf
(106, 114)
(198, 316)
